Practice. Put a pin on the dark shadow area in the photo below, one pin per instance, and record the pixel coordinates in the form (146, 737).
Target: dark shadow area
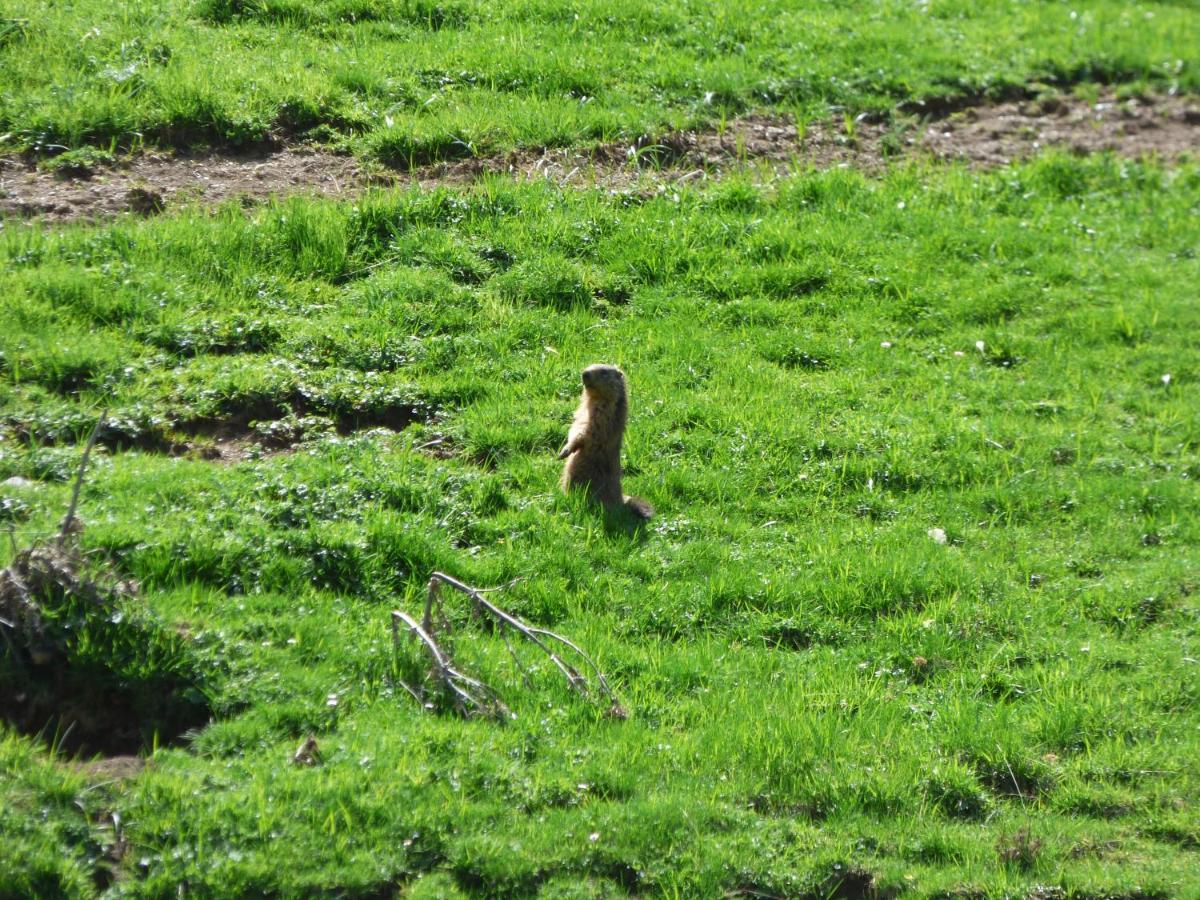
(81, 668)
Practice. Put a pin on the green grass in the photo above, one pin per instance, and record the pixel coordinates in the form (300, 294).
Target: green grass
(408, 81)
(820, 691)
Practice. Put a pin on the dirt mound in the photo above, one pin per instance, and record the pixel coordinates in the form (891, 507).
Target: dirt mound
(981, 135)
(81, 669)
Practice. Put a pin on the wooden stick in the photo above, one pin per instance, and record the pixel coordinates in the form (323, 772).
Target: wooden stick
(471, 695)
(69, 519)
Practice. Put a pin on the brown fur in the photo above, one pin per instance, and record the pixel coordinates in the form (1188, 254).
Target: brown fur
(593, 447)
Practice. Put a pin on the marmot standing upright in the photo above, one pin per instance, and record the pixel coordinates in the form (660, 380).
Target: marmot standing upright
(593, 447)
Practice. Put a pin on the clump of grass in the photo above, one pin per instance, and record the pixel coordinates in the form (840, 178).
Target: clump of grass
(79, 163)
(1020, 849)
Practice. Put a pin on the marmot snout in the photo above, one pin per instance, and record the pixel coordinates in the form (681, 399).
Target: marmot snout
(593, 447)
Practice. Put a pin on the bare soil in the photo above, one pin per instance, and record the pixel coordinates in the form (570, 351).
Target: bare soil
(981, 135)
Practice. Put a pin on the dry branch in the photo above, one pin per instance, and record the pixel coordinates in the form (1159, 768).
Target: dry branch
(471, 696)
(69, 523)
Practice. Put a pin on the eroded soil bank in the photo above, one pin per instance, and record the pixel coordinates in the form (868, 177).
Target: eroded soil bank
(982, 135)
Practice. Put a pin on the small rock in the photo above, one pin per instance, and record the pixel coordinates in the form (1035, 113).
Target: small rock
(1062, 456)
(308, 753)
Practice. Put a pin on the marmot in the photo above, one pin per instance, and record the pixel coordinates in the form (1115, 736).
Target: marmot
(593, 447)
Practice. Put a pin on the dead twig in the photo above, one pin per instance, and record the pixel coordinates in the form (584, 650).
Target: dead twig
(471, 696)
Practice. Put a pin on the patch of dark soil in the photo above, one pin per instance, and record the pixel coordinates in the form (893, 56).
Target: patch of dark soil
(984, 135)
(83, 670)
(768, 805)
(268, 425)
(394, 417)
(842, 883)
(622, 873)
(979, 133)
(81, 710)
(245, 426)
(144, 201)
(849, 883)
(948, 104)
(1015, 780)
(235, 439)
(115, 434)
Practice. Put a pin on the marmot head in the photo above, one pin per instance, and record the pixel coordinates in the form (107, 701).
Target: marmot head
(608, 381)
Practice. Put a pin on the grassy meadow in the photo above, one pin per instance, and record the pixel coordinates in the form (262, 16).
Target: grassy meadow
(916, 615)
(408, 81)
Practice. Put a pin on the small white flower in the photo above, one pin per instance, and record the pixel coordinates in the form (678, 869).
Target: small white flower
(938, 535)
(594, 836)
(885, 344)
(901, 205)
(980, 346)
(959, 353)
(1166, 379)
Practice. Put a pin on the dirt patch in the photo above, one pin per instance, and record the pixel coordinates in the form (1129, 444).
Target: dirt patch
(112, 768)
(1167, 127)
(148, 184)
(245, 427)
(984, 136)
(267, 427)
(980, 135)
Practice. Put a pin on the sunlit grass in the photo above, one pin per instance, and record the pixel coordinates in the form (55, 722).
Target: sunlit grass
(918, 604)
(409, 82)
